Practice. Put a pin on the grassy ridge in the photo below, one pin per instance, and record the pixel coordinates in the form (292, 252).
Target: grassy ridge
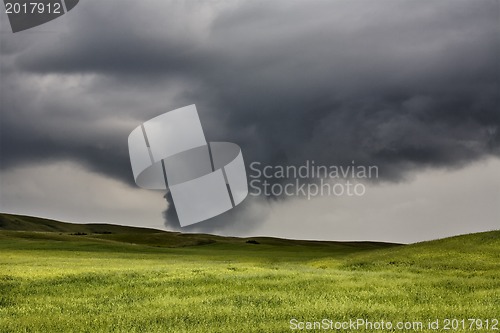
(28, 227)
(156, 281)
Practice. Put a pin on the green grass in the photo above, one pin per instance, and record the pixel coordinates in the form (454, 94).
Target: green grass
(118, 279)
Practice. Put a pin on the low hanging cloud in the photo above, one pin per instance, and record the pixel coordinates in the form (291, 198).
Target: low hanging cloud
(404, 86)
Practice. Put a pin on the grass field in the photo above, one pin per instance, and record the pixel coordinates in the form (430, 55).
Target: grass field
(57, 277)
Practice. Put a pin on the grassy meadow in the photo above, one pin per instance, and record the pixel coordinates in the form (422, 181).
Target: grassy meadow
(60, 277)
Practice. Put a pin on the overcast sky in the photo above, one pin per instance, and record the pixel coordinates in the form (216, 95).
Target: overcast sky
(409, 86)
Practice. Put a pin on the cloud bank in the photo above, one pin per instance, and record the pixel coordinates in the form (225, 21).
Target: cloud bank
(403, 85)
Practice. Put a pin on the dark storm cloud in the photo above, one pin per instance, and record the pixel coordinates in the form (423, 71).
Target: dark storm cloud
(401, 85)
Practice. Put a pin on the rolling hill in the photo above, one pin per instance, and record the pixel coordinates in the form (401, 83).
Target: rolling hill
(64, 277)
(21, 226)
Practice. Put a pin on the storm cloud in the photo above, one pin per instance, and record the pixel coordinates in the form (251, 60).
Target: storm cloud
(402, 85)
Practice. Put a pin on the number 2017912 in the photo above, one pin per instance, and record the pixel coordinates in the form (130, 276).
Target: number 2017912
(33, 8)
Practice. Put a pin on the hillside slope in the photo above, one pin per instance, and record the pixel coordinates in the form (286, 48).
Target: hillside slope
(34, 228)
(477, 252)
(77, 280)
(30, 223)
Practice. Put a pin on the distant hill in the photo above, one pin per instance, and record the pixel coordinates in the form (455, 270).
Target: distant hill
(449, 252)
(20, 226)
(29, 223)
